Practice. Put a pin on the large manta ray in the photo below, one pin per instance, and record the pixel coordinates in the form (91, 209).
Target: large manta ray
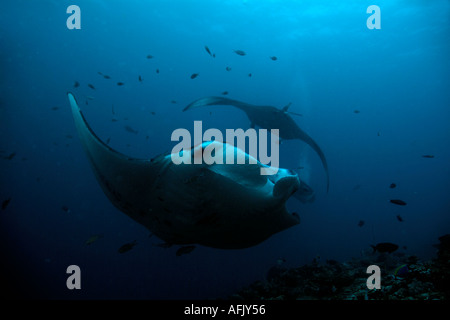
(267, 117)
(227, 206)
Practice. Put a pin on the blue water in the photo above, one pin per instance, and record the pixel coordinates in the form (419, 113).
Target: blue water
(329, 65)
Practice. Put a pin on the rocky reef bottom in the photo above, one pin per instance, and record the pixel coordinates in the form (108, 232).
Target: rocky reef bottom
(402, 277)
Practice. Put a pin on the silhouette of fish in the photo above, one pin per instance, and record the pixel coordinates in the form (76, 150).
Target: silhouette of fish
(385, 247)
(127, 247)
(5, 203)
(130, 129)
(240, 52)
(398, 202)
(209, 52)
(10, 156)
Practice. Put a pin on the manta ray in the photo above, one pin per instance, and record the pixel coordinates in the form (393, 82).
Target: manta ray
(227, 206)
(267, 117)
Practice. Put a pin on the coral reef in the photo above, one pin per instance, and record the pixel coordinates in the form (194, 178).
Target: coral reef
(402, 278)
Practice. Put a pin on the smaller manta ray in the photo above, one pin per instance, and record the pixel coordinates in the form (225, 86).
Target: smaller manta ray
(267, 117)
(227, 206)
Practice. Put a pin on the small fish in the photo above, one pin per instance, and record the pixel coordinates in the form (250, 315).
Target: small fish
(149, 56)
(392, 186)
(240, 52)
(76, 84)
(274, 58)
(430, 156)
(194, 75)
(127, 247)
(207, 50)
(90, 97)
(120, 83)
(140, 79)
(399, 218)
(361, 223)
(112, 109)
(157, 70)
(250, 75)
(228, 68)
(5, 203)
(114, 120)
(92, 239)
(108, 140)
(173, 101)
(68, 136)
(66, 209)
(130, 129)
(10, 156)
(184, 250)
(356, 111)
(91, 86)
(106, 76)
(55, 108)
(378, 133)
(153, 112)
(225, 93)
(385, 247)
(99, 73)
(399, 202)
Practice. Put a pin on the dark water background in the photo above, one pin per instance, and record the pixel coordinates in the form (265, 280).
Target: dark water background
(329, 65)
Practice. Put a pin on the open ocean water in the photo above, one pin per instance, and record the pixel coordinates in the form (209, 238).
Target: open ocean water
(376, 101)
